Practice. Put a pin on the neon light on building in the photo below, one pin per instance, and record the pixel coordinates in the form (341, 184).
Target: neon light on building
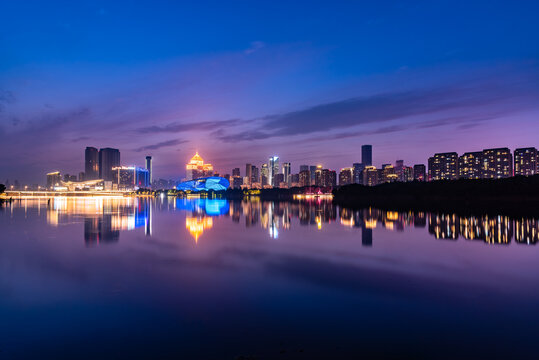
(214, 183)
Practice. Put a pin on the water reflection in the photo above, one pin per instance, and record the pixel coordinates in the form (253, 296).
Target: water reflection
(105, 218)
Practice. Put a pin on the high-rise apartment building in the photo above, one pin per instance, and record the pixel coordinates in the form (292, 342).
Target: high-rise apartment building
(443, 166)
(304, 178)
(526, 161)
(91, 163)
(407, 174)
(108, 159)
(236, 172)
(420, 172)
(370, 176)
(497, 163)
(470, 165)
(346, 176)
(366, 155)
(303, 167)
(328, 178)
(388, 173)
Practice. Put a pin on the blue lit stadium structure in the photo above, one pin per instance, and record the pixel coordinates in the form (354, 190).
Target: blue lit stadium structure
(214, 183)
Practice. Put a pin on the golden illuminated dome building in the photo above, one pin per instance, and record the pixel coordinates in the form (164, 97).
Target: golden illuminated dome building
(196, 168)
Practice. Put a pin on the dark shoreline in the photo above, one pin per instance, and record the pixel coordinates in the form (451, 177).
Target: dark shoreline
(517, 196)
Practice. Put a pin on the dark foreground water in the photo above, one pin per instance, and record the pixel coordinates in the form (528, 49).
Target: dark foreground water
(211, 279)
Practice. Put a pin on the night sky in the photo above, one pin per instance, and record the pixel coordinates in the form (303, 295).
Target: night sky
(240, 81)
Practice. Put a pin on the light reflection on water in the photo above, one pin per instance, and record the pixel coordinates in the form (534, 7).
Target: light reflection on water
(104, 218)
(255, 278)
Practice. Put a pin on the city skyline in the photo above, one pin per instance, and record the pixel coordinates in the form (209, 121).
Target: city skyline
(310, 94)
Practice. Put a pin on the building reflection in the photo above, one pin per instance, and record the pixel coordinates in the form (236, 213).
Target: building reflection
(278, 216)
(103, 217)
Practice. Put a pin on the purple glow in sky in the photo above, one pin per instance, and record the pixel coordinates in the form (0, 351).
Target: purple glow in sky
(240, 83)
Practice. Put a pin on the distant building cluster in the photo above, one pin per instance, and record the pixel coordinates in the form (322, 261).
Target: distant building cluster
(102, 171)
(495, 163)
(487, 164)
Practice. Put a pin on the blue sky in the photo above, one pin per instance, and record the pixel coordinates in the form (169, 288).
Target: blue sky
(240, 81)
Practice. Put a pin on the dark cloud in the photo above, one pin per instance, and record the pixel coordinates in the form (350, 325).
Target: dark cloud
(161, 145)
(178, 127)
(390, 106)
(464, 122)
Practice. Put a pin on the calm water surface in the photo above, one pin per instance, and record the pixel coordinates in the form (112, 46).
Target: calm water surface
(211, 279)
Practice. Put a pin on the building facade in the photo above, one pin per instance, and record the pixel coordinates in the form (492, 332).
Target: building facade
(471, 165)
(370, 176)
(366, 155)
(109, 158)
(196, 168)
(273, 169)
(149, 168)
(443, 166)
(346, 176)
(91, 163)
(497, 163)
(130, 177)
(525, 161)
(420, 172)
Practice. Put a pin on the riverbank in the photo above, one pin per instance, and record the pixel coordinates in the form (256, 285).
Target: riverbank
(512, 196)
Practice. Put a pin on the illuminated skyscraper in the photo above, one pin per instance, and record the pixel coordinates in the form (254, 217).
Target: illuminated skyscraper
(264, 175)
(236, 172)
(130, 177)
(196, 168)
(443, 166)
(318, 176)
(149, 168)
(273, 169)
(345, 176)
(248, 174)
(91, 163)
(526, 161)
(108, 159)
(366, 155)
(312, 169)
(286, 172)
(255, 176)
(497, 163)
(470, 165)
(388, 173)
(399, 165)
(304, 178)
(357, 177)
(53, 178)
(370, 176)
